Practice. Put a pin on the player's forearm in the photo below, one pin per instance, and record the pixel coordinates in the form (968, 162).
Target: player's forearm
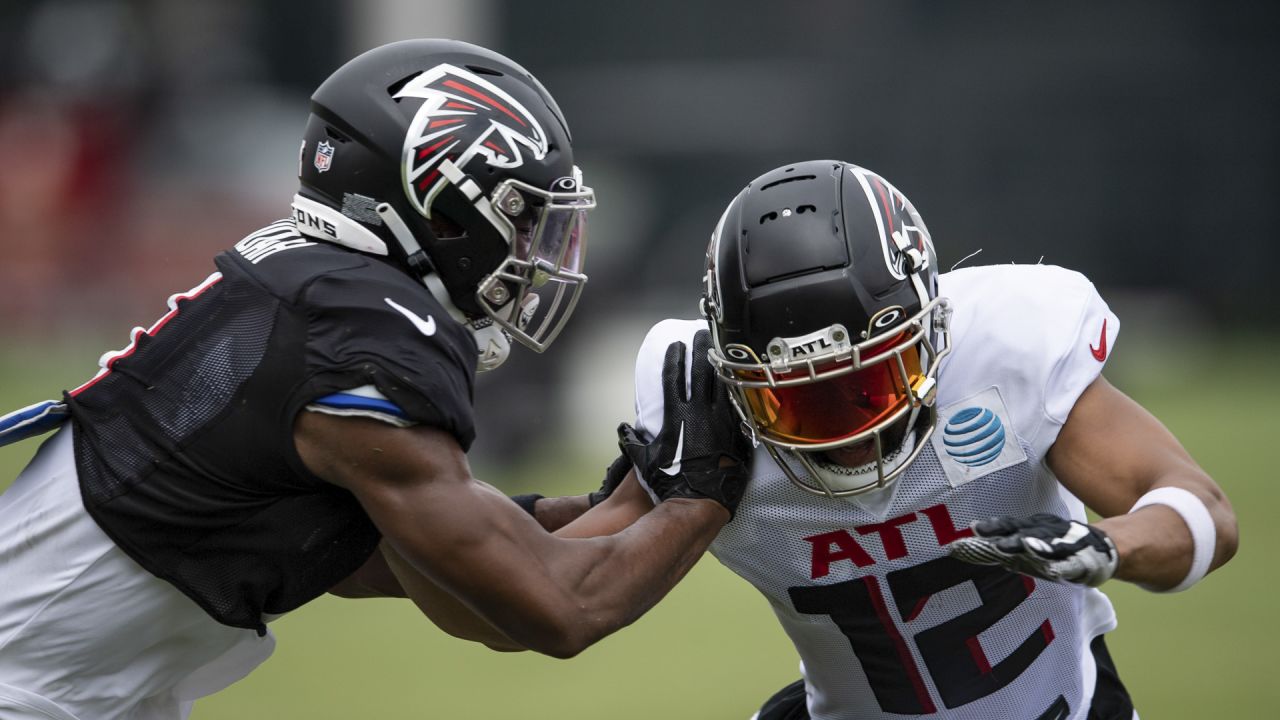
(443, 609)
(1155, 545)
(553, 513)
(628, 573)
(618, 487)
(564, 595)
(553, 595)
(616, 513)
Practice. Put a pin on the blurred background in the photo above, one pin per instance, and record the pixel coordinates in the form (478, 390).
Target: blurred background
(1137, 142)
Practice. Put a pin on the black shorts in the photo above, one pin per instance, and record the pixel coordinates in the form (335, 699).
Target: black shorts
(1110, 699)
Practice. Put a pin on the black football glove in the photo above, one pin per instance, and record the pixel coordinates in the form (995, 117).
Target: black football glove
(613, 477)
(1044, 546)
(699, 427)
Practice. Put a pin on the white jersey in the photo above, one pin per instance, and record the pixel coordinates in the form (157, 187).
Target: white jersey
(886, 624)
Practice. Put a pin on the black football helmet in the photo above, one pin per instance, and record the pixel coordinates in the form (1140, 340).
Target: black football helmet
(456, 164)
(822, 296)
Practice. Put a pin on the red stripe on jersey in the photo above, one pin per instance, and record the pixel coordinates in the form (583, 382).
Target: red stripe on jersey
(1029, 583)
(979, 657)
(486, 99)
(129, 349)
(915, 611)
(1046, 629)
(904, 654)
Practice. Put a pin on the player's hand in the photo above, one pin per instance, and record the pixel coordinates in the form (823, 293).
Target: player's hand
(1044, 546)
(700, 451)
(613, 477)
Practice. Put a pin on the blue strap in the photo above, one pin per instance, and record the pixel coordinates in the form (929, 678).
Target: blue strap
(347, 401)
(31, 421)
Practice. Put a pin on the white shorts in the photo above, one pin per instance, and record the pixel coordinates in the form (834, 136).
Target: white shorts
(85, 632)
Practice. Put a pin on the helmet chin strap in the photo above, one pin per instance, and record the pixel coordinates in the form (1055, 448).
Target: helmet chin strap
(493, 343)
(834, 477)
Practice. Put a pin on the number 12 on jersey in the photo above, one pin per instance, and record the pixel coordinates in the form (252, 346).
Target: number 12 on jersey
(951, 651)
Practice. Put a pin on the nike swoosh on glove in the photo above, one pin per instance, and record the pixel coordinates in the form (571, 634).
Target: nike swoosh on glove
(1044, 546)
(699, 429)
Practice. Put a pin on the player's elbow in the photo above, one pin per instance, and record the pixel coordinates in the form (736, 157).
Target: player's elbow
(564, 643)
(563, 635)
(1226, 528)
(561, 649)
(1228, 539)
(489, 637)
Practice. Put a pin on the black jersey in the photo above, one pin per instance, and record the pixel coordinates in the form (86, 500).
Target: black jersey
(184, 444)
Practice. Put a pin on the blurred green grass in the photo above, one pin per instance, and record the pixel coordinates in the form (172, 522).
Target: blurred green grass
(713, 650)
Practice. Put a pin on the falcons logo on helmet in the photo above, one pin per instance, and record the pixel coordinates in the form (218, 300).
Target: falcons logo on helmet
(462, 116)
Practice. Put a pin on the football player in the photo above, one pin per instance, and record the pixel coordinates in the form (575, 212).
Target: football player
(298, 422)
(926, 447)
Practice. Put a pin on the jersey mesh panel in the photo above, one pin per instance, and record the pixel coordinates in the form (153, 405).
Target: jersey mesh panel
(128, 454)
(765, 545)
(197, 384)
(180, 461)
(184, 384)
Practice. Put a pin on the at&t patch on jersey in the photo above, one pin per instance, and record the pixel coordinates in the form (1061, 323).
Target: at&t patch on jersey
(975, 437)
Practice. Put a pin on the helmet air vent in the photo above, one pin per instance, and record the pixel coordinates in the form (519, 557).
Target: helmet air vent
(783, 181)
(786, 212)
(394, 88)
(481, 70)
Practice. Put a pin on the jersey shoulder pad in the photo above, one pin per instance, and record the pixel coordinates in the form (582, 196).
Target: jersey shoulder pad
(373, 325)
(1040, 334)
(284, 262)
(649, 361)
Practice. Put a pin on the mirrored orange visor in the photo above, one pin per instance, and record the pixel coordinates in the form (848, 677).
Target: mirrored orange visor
(834, 408)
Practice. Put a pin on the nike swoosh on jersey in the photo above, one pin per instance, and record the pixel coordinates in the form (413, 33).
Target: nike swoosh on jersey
(426, 327)
(674, 467)
(1100, 352)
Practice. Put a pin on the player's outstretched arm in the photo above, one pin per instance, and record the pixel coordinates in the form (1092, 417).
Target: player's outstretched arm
(553, 595)
(1110, 453)
(617, 512)
(556, 595)
(618, 503)
(1113, 455)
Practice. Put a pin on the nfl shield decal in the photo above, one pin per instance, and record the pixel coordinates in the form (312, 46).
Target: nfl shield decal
(324, 156)
(975, 437)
